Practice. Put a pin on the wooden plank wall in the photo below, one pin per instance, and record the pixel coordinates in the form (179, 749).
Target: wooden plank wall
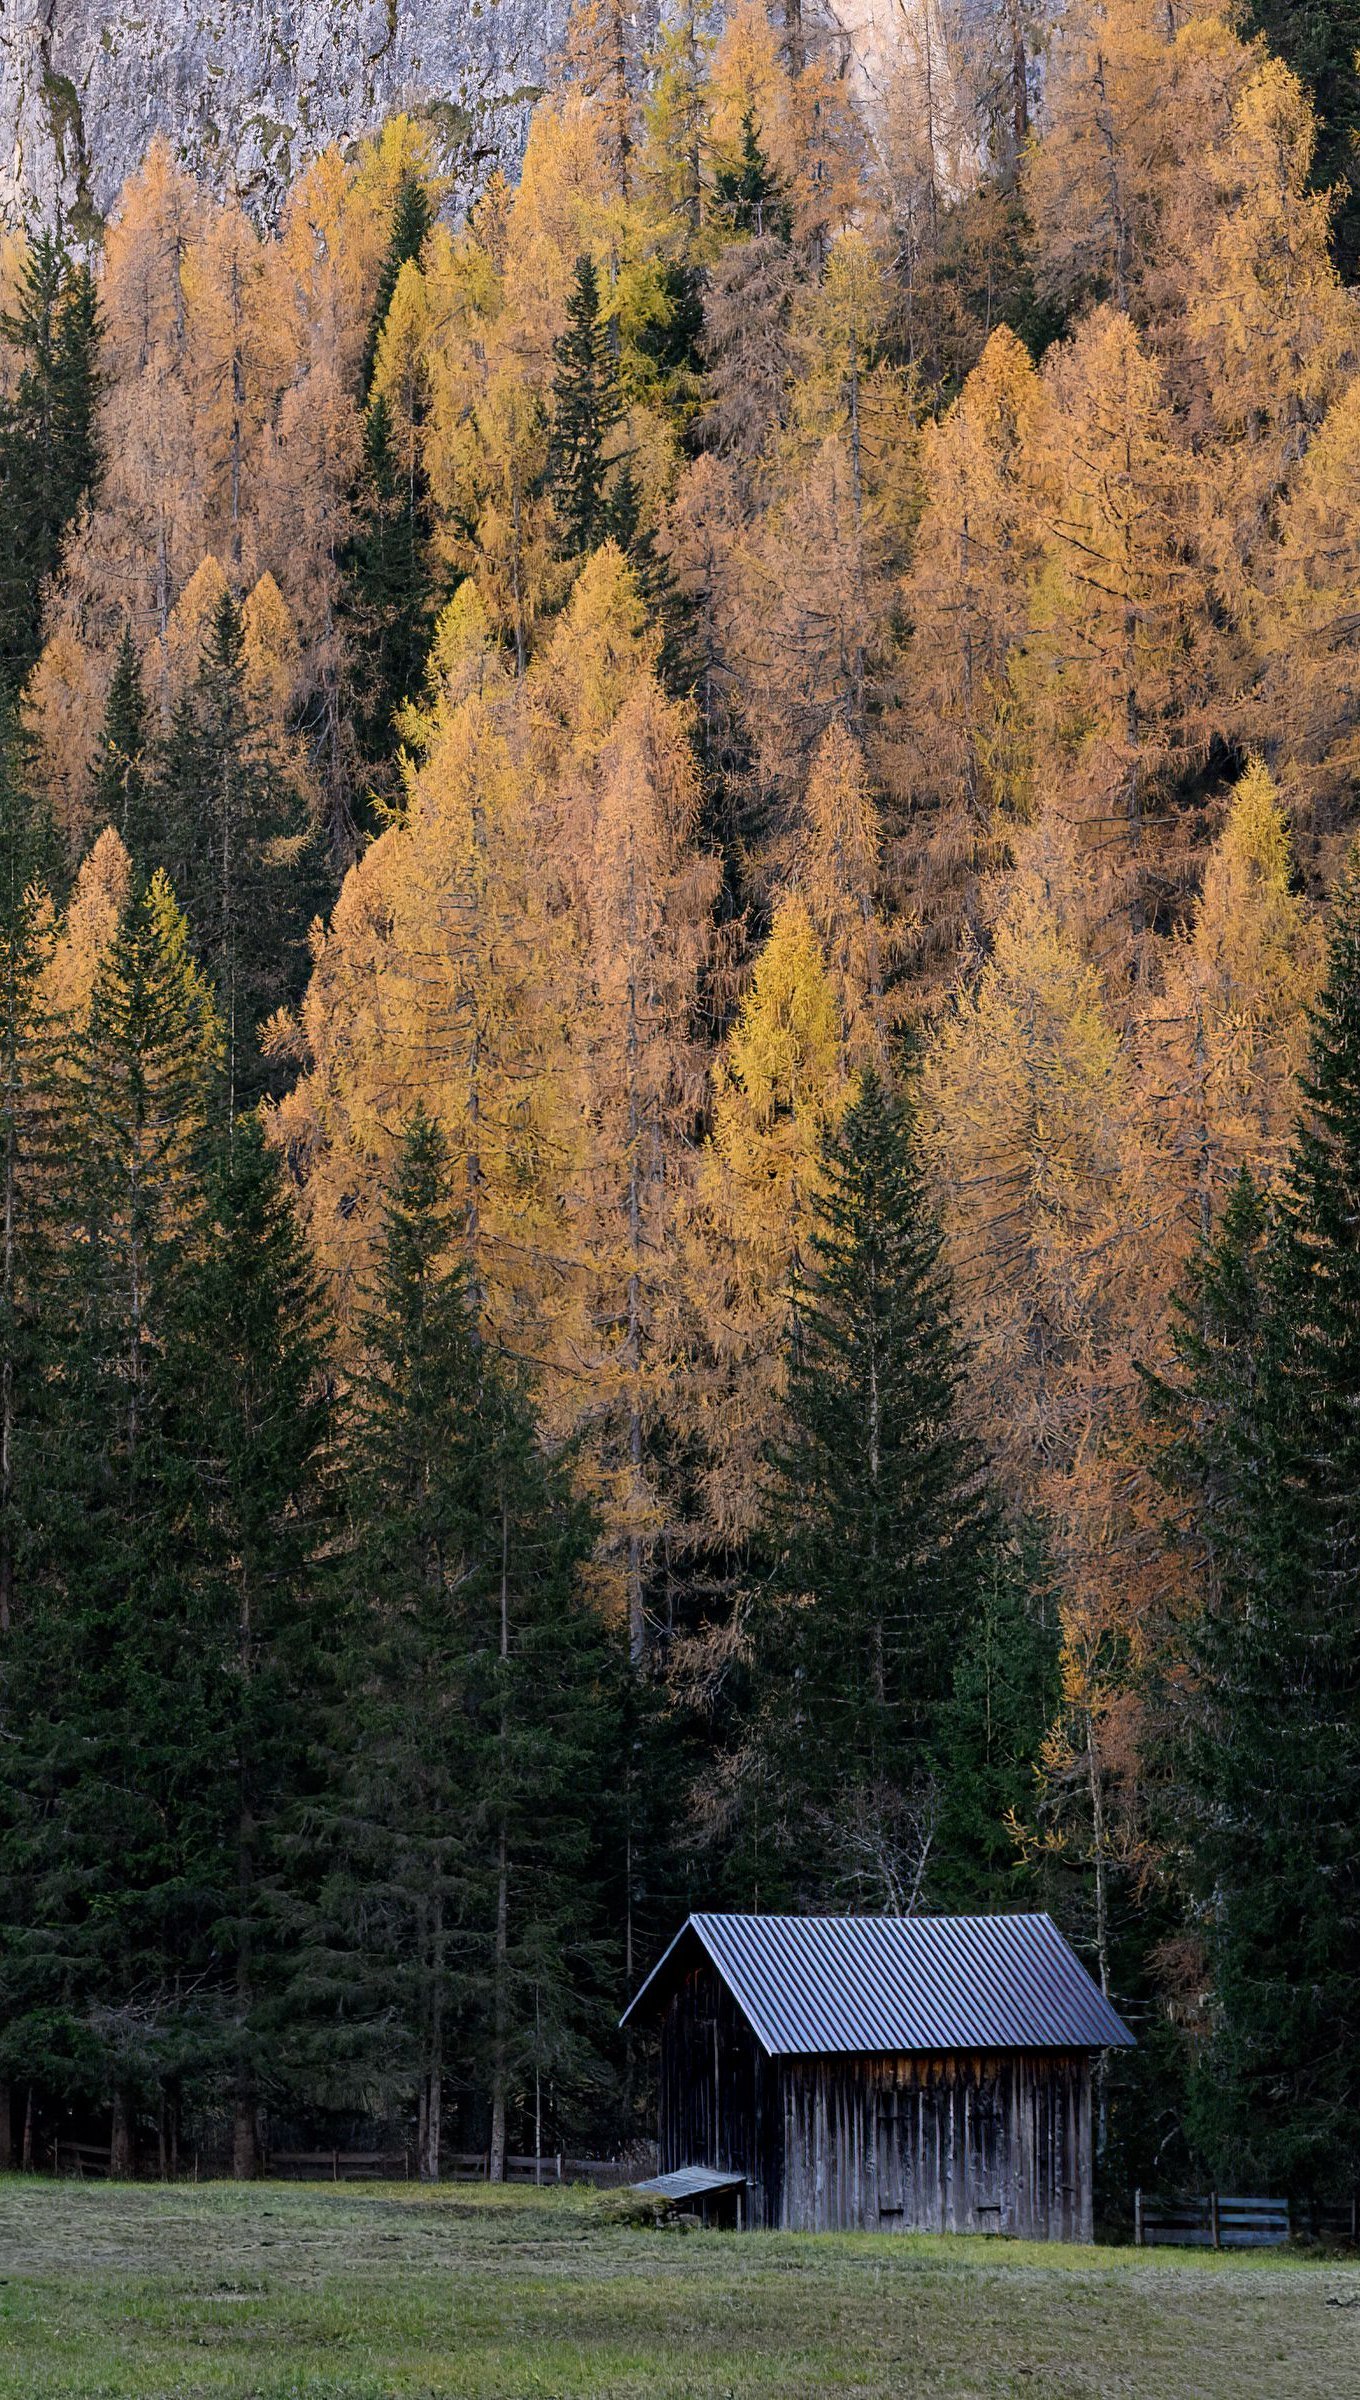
(719, 2095)
(959, 2144)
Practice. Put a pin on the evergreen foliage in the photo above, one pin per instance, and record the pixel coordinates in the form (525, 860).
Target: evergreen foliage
(246, 1418)
(107, 1885)
(1320, 40)
(477, 1700)
(1005, 1694)
(880, 1526)
(391, 590)
(231, 830)
(121, 761)
(28, 1152)
(746, 192)
(48, 461)
(412, 217)
(1269, 1351)
(585, 409)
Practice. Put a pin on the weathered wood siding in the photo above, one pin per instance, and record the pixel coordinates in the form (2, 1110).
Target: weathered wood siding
(962, 2144)
(720, 2103)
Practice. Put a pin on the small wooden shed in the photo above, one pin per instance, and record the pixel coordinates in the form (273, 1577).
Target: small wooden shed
(890, 2074)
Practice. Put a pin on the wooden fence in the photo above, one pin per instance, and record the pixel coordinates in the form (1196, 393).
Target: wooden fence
(341, 2166)
(1210, 2221)
(474, 2166)
(394, 2166)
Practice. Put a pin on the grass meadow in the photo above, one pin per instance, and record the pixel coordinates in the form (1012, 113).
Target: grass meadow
(314, 2292)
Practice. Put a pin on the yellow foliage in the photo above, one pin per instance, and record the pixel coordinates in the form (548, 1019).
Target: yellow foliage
(399, 372)
(272, 649)
(101, 893)
(63, 706)
(1029, 1095)
(839, 869)
(1224, 1039)
(967, 763)
(1304, 616)
(564, 207)
(191, 621)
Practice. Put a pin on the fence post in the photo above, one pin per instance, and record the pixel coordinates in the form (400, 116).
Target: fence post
(559, 2173)
(335, 2166)
(1138, 2218)
(1213, 2220)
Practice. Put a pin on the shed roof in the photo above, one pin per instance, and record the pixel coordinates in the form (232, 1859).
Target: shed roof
(809, 1986)
(691, 2183)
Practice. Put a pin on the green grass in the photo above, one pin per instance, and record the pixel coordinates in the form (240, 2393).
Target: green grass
(288, 2292)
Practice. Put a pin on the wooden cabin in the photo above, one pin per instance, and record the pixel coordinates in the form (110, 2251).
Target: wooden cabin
(885, 2074)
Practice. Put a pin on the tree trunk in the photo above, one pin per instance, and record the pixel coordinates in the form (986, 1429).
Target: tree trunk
(6, 2125)
(431, 2120)
(245, 2148)
(1102, 1923)
(122, 2145)
(7, 1371)
(432, 2087)
(496, 2163)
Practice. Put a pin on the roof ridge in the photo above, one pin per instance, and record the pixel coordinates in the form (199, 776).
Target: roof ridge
(839, 1984)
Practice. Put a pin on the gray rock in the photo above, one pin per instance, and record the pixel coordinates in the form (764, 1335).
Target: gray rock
(246, 91)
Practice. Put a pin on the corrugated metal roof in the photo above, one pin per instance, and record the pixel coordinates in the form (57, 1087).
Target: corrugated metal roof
(812, 1985)
(690, 2183)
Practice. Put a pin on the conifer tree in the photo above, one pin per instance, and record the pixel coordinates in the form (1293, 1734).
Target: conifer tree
(390, 583)
(412, 217)
(120, 767)
(675, 113)
(232, 833)
(1320, 40)
(1269, 1352)
(478, 1678)
(878, 1530)
(48, 461)
(27, 1153)
(108, 1741)
(245, 1421)
(1005, 1692)
(585, 408)
(745, 192)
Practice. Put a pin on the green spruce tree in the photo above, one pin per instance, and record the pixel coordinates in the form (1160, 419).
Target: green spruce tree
(1005, 1693)
(586, 407)
(48, 459)
(459, 1918)
(120, 766)
(102, 1877)
(1269, 1748)
(878, 1537)
(412, 217)
(746, 192)
(233, 834)
(245, 1422)
(391, 592)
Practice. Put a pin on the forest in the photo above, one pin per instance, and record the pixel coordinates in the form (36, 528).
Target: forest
(680, 1081)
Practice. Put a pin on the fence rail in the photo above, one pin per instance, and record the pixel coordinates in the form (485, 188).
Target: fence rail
(343, 2166)
(395, 2166)
(474, 2166)
(1210, 2221)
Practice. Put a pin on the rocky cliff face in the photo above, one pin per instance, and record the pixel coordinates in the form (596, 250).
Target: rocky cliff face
(247, 90)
